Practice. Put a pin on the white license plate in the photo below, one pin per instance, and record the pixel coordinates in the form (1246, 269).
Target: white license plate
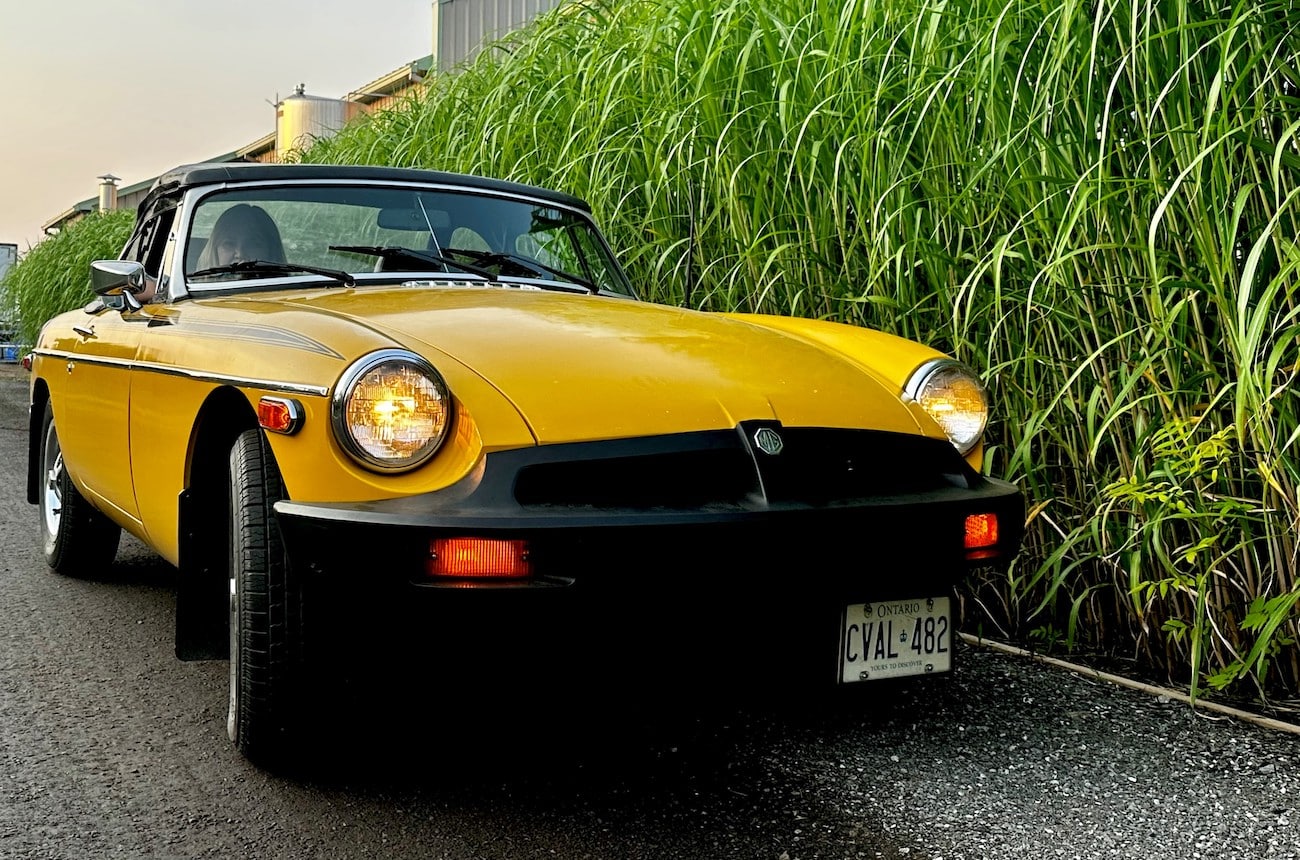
(895, 638)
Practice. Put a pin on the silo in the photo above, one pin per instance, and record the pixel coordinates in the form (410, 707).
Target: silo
(300, 119)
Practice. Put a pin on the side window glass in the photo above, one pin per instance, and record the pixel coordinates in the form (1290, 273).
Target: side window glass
(134, 245)
(148, 245)
(155, 242)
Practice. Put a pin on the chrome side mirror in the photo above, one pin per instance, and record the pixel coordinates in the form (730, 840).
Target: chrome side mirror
(116, 277)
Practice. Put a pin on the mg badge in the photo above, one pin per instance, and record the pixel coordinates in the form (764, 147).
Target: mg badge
(768, 441)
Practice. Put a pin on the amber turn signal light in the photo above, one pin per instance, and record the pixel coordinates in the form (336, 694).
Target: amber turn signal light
(478, 558)
(279, 415)
(981, 535)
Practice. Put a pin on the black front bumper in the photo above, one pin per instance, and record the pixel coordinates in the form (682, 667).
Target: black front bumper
(657, 556)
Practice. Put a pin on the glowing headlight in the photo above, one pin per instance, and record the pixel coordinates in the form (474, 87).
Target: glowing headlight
(391, 410)
(955, 399)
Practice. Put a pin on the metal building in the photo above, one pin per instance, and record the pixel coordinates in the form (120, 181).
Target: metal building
(463, 27)
(8, 330)
(8, 256)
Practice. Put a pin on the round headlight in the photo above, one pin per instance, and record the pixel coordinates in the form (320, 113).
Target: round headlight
(954, 397)
(391, 410)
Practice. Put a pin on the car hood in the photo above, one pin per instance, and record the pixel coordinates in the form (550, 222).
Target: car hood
(588, 367)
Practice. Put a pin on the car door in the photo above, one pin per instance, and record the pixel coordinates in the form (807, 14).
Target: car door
(95, 421)
(97, 395)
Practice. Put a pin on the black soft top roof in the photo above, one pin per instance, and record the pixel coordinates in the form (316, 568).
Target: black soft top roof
(189, 175)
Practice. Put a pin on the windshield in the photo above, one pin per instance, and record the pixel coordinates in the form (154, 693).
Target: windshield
(382, 234)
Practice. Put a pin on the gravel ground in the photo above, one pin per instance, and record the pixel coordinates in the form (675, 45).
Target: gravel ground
(1025, 761)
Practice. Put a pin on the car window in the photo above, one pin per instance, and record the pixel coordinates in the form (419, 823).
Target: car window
(148, 245)
(360, 229)
(155, 242)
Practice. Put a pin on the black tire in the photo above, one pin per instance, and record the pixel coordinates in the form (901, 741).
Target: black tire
(265, 610)
(77, 539)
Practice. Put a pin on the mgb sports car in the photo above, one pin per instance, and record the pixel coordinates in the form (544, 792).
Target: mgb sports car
(408, 414)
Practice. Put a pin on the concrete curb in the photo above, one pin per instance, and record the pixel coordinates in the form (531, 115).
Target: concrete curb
(1176, 695)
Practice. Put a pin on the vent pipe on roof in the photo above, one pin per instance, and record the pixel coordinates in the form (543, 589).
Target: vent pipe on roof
(107, 192)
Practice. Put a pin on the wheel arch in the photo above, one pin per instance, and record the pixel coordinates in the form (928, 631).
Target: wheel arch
(202, 591)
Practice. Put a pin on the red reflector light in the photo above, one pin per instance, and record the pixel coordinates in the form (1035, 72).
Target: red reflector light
(981, 535)
(279, 415)
(478, 558)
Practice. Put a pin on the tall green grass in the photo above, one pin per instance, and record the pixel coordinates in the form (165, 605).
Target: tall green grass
(54, 275)
(1096, 202)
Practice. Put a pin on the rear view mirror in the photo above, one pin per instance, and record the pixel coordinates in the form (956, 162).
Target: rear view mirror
(395, 218)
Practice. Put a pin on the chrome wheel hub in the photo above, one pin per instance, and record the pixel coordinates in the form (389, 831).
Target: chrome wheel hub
(52, 502)
(232, 712)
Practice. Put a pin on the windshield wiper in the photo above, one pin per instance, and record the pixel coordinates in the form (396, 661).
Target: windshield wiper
(266, 267)
(410, 255)
(527, 264)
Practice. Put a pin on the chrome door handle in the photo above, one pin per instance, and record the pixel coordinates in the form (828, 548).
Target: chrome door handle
(84, 331)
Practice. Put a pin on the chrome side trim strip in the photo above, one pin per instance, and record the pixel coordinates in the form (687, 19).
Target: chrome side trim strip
(197, 375)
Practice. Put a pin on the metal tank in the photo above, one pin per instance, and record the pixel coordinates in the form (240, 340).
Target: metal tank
(300, 119)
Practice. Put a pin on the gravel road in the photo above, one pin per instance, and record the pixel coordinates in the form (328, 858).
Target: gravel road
(110, 748)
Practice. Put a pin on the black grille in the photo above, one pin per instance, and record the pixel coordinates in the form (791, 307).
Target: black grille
(820, 466)
(815, 466)
(679, 479)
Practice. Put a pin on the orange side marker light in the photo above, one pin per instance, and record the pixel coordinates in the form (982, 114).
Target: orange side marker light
(279, 415)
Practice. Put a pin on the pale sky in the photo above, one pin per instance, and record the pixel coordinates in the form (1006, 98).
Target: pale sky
(134, 87)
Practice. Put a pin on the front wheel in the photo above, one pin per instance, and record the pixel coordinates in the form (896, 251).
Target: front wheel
(265, 608)
(78, 540)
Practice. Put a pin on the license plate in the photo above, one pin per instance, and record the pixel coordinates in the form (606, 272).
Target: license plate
(895, 638)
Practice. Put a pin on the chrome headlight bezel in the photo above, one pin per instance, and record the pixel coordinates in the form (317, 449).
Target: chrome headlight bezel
(924, 387)
(346, 387)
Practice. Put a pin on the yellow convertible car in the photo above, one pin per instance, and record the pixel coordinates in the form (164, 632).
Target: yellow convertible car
(380, 411)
